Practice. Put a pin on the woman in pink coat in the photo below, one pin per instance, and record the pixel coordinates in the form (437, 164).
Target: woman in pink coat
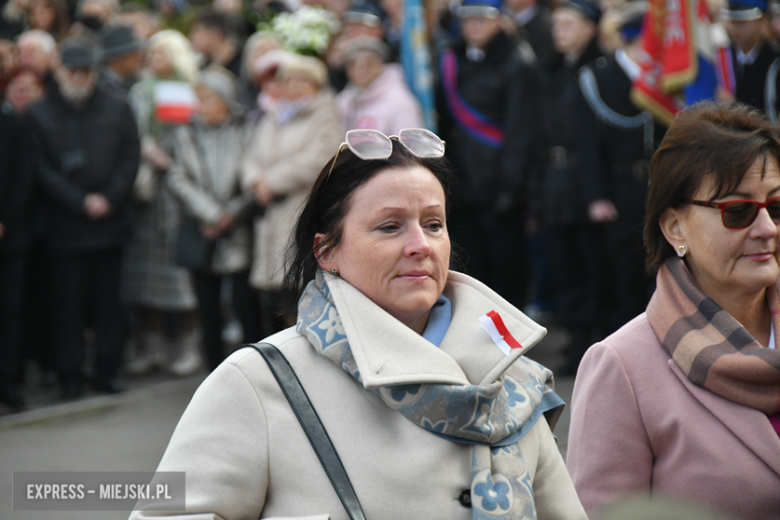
(377, 96)
(684, 399)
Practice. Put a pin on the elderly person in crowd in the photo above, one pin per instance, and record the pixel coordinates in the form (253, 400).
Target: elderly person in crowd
(37, 50)
(86, 150)
(123, 58)
(205, 177)
(280, 167)
(361, 19)
(256, 46)
(24, 87)
(265, 76)
(430, 417)
(152, 282)
(682, 400)
(377, 95)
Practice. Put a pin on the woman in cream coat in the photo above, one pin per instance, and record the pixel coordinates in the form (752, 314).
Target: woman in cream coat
(287, 151)
(432, 416)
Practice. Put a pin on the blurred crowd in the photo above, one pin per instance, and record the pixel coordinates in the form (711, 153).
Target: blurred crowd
(154, 155)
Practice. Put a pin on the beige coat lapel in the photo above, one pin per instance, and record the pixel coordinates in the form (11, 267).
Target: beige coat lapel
(474, 299)
(390, 353)
(750, 426)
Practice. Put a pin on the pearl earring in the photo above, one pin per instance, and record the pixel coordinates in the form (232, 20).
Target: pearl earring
(681, 250)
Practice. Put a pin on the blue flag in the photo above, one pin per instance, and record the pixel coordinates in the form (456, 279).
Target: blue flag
(416, 59)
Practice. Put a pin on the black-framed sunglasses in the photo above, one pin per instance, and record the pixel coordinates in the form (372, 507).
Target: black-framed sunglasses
(739, 214)
(371, 145)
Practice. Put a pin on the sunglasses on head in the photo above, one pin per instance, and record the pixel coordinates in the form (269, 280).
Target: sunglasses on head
(374, 145)
(739, 214)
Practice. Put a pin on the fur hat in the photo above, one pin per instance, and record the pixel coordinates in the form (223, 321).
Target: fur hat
(313, 68)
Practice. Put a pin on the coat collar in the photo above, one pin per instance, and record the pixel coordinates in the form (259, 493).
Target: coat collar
(750, 426)
(388, 352)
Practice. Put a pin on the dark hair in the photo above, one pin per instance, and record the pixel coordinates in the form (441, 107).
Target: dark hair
(709, 138)
(210, 18)
(329, 202)
(61, 21)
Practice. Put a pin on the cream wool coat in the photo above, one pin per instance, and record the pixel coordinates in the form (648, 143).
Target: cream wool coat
(246, 456)
(289, 157)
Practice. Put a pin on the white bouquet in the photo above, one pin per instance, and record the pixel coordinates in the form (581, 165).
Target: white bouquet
(308, 30)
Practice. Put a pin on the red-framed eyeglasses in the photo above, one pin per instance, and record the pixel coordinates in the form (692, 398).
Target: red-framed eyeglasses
(739, 214)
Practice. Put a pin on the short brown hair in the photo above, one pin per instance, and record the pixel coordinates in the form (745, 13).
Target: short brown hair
(717, 138)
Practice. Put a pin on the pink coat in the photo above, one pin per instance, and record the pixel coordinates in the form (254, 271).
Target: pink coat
(638, 425)
(386, 105)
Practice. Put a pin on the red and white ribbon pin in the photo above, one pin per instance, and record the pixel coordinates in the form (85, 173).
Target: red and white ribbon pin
(500, 335)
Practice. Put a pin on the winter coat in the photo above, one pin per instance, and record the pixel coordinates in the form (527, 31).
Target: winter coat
(386, 105)
(538, 33)
(557, 194)
(150, 276)
(16, 182)
(246, 456)
(754, 80)
(205, 175)
(289, 157)
(78, 151)
(504, 89)
(640, 426)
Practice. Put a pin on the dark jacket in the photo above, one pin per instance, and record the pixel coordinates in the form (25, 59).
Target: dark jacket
(503, 88)
(15, 182)
(94, 149)
(751, 79)
(538, 33)
(557, 197)
(113, 82)
(613, 150)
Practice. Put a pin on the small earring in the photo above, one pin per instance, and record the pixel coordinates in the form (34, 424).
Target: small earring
(681, 250)
(333, 271)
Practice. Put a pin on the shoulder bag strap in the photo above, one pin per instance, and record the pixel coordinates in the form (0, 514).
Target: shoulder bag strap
(312, 426)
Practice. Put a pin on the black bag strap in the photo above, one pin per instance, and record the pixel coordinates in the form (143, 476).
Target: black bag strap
(312, 426)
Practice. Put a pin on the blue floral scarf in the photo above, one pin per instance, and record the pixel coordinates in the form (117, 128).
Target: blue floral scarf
(492, 417)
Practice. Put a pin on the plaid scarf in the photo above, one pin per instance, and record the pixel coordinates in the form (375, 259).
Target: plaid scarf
(711, 347)
(492, 417)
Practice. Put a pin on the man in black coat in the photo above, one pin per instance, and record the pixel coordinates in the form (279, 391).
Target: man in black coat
(87, 150)
(616, 140)
(15, 199)
(756, 59)
(487, 96)
(575, 245)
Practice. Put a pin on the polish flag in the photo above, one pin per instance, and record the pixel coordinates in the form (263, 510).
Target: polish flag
(174, 102)
(498, 332)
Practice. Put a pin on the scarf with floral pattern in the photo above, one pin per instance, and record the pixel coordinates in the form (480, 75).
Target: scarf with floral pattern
(492, 417)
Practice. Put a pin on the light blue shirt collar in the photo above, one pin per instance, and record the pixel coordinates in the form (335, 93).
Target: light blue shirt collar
(438, 321)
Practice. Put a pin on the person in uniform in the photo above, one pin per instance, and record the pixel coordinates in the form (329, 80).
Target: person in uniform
(575, 248)
(534, 24)
(487, 107)
(756, 58)
(616, 139)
